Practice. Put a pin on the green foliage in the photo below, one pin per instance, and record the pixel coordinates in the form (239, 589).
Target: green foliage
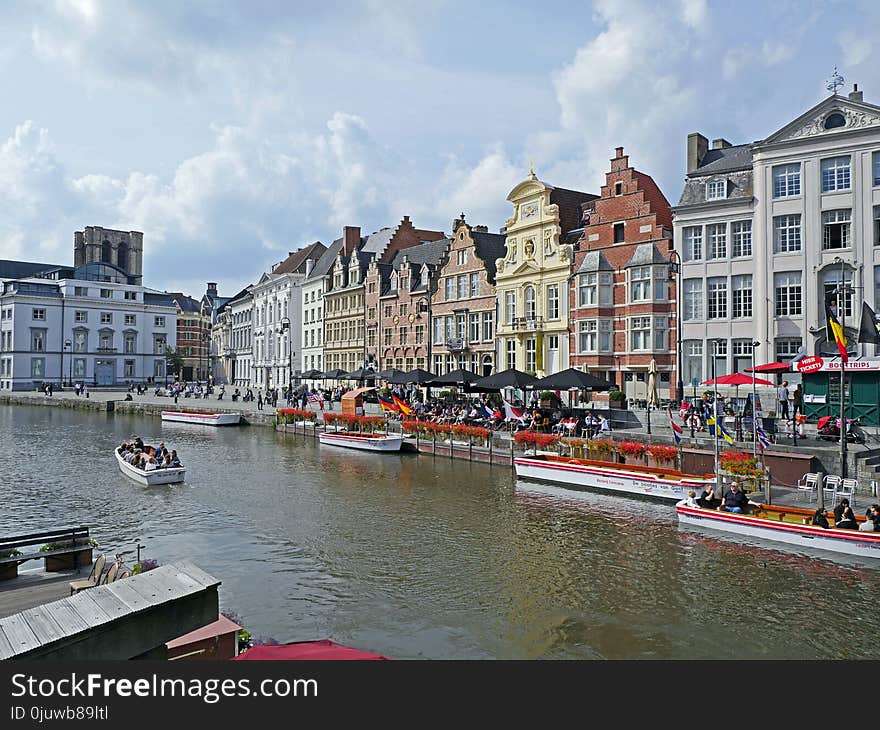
(548, 395)
(68, 544)
(10, 553)
(616, 395)
(173, 361)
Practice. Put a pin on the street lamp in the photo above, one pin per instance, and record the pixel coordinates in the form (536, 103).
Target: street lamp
(718, 484)
(285, 327)
(203, 355)
(675, 274)
(755, 344)
(841, 291)
(67, 345)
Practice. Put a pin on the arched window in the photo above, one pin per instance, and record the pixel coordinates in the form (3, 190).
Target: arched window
(107, 252)
(530, 302)
(834, 120)
(122, 256)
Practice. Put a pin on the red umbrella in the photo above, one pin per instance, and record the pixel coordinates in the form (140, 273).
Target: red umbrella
(323, 649)
(771, 367)
(736, 379)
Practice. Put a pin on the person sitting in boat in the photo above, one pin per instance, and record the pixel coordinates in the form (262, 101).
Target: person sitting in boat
(604, 425)
(151, 464)
(707, 499)
(692, 499)
(736, 501)
(819, 519)
(174, 460)
(844, 517)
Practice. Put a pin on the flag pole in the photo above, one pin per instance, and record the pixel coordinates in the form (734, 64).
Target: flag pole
(718, 480)
(755, 343)
(841, 307)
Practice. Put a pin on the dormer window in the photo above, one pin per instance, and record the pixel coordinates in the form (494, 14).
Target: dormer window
(716, 190)
(835, 120)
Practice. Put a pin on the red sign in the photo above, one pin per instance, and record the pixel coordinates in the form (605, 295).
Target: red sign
(810, 364)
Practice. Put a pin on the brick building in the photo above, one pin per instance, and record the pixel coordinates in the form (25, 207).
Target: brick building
(621, 296)
(464, 304)
(193, 337)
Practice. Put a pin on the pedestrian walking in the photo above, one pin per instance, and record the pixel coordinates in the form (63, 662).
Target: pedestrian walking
(259, 400)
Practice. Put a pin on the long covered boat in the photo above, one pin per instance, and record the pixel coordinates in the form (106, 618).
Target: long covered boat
(205, 418)
(363, 441)
(165, 475)
(647, 481)
(790, 525)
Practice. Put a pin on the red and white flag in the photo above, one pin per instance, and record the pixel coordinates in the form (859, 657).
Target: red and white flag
(511, 412)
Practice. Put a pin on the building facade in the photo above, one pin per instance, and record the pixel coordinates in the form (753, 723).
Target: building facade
(232, 336)
(532, 277)
(767, 231)
(621, 297)
(313, 288)
(193, 337)
(464, 307)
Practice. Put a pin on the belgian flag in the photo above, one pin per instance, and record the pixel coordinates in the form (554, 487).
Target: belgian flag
(835, 331)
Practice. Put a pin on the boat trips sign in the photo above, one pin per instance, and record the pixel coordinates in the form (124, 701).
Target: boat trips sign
(816, 364)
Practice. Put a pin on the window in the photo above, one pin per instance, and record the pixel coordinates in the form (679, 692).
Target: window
(128, 369)
(79, 368)
(106, 293)
(692, 366)
(588, 335)
(160, 321)
(80, 291)
(461, 326)
(877, 225)
(835, 229)
(404, 308)
(158, 368)
(130, 344)
(716, 236)
(388, 309)
(716, 190)
(389, 336)
(38, 367)
(80, 316)
(509, 307)
(876, 166)
(618, 232)
(719, 350)
(530, 355)
(640, 333)
(371, 287)
(717, 298)
(605, 335)
(788, 294)
(741, 238)
(131, 295)
(835, 120)
(106, 341)
(661, 283)
(80, 338)
(741, 290)
(473, 327)
(742, 355)
(420, 334)
(461, 257)
(39, 314)
(693, 299)
(488, 332)
(693, 243)
(835, 174)
(159, 345)
(38, 340)
(475, 284)
(661, 333)
(130, 320)
(438, 331)
(530, 304)
(618, 188)
(787, 347)
(786, 180)
(106, 317)
(553, 301)
(787, 233)
(830, 286)
(640, 284)
(511, 352)
(404, 335)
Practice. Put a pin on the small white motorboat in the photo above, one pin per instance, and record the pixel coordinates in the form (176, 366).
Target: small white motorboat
(204, 418)
(164, 475)
(362, 441)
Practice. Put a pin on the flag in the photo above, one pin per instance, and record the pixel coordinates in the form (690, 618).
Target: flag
(676, 429)
(721, 431)
(726, 435)
(402, 405)
(835, 331)
(317, 398)
(485, 410)
(388, 406)
(710, 420)
(869, 331)
(511, 412)
(763, 439)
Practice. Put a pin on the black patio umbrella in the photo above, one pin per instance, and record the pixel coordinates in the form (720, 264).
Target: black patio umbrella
(507, 379)
(390, 374)
(311, 374)
(417, 376)
(336, 374)
(573, 378)
(362, 374)
(456, 377)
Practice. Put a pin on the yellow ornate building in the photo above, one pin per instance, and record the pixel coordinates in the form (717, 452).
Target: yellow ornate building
(532, 278)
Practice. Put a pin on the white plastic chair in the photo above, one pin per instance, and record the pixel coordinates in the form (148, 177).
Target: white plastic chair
(829, 489)
(808, 483)
(848, 488)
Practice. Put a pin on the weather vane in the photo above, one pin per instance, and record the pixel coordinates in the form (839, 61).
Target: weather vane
(835, 82)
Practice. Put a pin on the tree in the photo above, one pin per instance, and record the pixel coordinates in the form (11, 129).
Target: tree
(173, 361)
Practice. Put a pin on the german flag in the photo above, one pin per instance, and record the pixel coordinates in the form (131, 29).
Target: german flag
(388, 406)
(835, 331)
(402, 406)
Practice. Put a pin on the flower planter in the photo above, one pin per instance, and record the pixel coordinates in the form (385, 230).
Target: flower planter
(619, 405)
(8, 570)
(69, 561)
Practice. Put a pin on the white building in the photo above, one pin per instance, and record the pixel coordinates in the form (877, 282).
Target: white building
(313, 288)
(767, 230)
(277, 322)
(88, 325)
(233, 337)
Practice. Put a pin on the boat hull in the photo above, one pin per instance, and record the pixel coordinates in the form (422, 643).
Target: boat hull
(204, 419)
(389, 442)
(847, 542)
(609, 478)
(173, 475)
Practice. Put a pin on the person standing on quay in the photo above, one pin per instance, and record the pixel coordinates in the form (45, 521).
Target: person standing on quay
(782, 400)
(259, 400)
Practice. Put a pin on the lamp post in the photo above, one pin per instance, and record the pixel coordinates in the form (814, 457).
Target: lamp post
(648, 402)
(755, 344)
(718, 484)
(285, 327)
(842, 291)
(67, 346)
(675, 274)
(203, 337)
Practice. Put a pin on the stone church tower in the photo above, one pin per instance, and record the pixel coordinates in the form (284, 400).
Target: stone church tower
(124, 249)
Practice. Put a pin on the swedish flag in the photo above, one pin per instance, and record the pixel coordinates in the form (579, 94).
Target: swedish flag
(721, 431)
(726, 434)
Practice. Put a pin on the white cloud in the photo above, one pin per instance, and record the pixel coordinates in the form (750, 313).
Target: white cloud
(694, 13)
(856, 48)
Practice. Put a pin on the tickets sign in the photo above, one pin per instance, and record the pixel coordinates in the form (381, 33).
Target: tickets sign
(810, 364)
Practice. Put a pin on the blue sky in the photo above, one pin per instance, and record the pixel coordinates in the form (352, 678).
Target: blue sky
(231, 133)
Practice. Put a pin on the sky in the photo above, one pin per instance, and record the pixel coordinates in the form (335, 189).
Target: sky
(231, 133)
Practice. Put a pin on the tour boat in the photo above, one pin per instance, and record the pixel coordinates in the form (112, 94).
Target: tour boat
(166, 475)
(647, 481)
(206, 418)
(364, 441)
(791, 525)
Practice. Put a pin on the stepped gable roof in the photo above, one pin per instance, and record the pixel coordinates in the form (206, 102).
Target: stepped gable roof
(645, 255)
(489, 247)
(385, 278)
(736, 157)
(296, 260)
(377, 242)
(325, 263)
(24, 269)
(595, 261)
(430, 253)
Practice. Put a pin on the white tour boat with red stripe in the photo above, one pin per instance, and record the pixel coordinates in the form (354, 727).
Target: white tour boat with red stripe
(792, 525)
(205, 418)
(363, 441)
(646, 481)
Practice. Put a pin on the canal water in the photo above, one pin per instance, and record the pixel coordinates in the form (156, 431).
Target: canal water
(420, 557)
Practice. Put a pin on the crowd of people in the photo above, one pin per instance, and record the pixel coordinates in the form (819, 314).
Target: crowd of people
(148, 458)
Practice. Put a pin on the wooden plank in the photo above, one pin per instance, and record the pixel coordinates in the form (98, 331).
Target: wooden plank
(166, 584)
(130, 597)
(93, 612)
(66, 615)
(192, 570)
(21, 637)
(45, 628)
(178, 576)
(5, 646)
(46, 533)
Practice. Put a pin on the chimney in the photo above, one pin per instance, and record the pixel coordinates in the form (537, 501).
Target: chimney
(720, 144)
(481, 229)
(351, 239)
(618, 152)
(855, 94)
(212, 289)
(697, 147)
(310, 264)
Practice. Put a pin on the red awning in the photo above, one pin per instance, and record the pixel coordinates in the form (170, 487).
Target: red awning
(302, 650)
(736, 379)
(771, 367)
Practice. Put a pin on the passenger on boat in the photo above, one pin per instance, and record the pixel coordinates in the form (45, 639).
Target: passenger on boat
(820, 520)
(707, 498)
(844, 517)
(736, 501)
(174, 460)
(692, 499)
(151, 464)
(872, 517)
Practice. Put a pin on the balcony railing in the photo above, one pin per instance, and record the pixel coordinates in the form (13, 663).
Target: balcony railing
(527, 323)
(106, 349)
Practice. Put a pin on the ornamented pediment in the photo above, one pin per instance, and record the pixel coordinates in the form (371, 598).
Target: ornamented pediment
(524, 267)
(825, 119)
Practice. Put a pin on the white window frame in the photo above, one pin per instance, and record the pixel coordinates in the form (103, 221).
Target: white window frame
(836, 173)
(716, 189)
(715, 286)
(839, 216)
(787, 233)
(693, 243)
(692, 299)
(741, 239)
(553, 306)
(741, 296)
(787, 180)
(640, 334)
(788, 294)
(716, 241)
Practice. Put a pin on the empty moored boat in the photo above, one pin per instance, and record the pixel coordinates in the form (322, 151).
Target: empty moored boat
(205, 418)
(362, 441)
